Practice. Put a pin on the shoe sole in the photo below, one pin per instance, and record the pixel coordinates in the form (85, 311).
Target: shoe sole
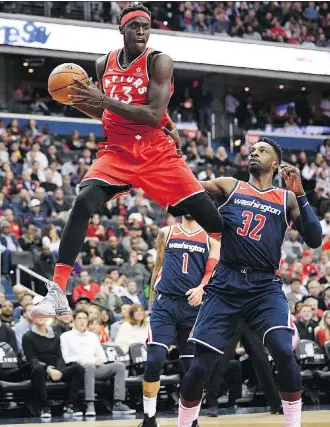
(131, 412)
(90, 414)
(49, 316)
(46, 416)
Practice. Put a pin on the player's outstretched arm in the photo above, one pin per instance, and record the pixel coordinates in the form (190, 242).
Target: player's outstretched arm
(219, 188)
(160, 246)
(299, 210)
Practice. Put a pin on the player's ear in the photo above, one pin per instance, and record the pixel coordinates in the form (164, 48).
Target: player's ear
(121, 29)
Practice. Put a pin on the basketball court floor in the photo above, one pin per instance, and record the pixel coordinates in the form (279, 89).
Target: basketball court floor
(242, 418)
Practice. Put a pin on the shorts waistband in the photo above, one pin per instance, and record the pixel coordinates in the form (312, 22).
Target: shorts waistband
(246, 269)
(176, 297)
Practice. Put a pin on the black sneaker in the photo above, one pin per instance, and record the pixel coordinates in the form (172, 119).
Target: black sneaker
(120, 409)
(276, 410)
(212, 411)
(72, 410)
(195, 424)
(149, 422)
(45, 412)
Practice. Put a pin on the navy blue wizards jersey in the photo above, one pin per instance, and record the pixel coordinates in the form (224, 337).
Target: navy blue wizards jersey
(184, 261)
(256, 223)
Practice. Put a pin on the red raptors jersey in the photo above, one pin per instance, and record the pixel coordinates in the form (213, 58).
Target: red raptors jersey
(130, 86)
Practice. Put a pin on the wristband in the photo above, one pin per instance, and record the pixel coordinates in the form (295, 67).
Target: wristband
(302, 200)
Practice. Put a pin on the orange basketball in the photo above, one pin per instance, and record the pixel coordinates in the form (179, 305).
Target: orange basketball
(62, 77)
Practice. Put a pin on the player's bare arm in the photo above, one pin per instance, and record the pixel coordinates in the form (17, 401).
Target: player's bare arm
(95, 112)
(158, 96)
(160, 246)
(299, 210)
(220, 188)
(195, 295)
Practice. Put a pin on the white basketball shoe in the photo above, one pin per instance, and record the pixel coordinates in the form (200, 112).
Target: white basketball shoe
(54, 304)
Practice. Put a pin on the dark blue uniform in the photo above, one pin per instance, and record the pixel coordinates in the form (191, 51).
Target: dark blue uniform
(244, 282)
(172, 318)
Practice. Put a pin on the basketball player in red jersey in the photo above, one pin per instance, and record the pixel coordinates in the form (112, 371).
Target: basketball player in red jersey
(136, 84)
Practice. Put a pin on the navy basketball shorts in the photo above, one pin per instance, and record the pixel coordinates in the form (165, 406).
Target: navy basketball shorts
(171, 322)
(236, 294)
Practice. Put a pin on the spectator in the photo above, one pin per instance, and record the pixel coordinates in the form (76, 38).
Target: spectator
(315, 290)
(63, 324)
(323, 333)
(57, 177)
(35, 216)
(83, 347)
(42, 349)
(82, 303)
(95, 230)
(7, 311)
(134, 232)
(94, 325)
(86, 287)
(50, 238)
(7, 238)
(107, 298)
(23, 325)
(136, 270)
(325, 224)
(14, 227)
(132, 297)
(305, 325)
(308, 266)
(45, 205)
(134, 329)
(296, 293)
(115, 254)
(292, 247)
(25, 300)
(30, 239)
(67, 188)
(60, 207)
(6, 333)
(316, 312)
(48, 184)
(124, 312)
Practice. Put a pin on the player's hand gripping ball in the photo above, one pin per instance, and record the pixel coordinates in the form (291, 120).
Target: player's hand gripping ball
(291, 176)
(63, 78)
(86, 94)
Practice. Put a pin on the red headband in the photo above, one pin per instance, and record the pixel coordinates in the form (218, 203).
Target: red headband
(132, 15)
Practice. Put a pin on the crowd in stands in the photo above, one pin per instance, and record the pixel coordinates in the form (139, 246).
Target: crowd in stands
(306, 23)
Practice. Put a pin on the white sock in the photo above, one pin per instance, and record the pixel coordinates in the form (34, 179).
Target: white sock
(149, 406)
(292, 413)
(187, 415)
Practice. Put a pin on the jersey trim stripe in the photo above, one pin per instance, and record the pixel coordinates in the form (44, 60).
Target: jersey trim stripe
(262, 191)
(136, 59)
(190, 234)
(231, 194)
(286, 198)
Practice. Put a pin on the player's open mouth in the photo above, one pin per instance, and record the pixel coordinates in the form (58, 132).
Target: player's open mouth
(140, 41)
(253, 161)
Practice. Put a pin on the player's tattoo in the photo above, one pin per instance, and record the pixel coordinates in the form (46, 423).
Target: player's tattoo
(160, 246)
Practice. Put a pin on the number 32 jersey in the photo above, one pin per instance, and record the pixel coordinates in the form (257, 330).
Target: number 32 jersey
(256, 222)
(184, 262)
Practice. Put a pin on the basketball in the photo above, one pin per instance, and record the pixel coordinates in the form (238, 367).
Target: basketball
(62, 77)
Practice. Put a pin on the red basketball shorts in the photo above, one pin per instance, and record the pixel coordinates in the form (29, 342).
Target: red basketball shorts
(151, 163)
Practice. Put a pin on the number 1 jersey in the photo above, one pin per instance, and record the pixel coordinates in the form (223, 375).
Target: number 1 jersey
(184, 262)
(256, 222)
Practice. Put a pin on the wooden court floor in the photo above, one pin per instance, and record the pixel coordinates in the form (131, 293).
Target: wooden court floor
(310, 419)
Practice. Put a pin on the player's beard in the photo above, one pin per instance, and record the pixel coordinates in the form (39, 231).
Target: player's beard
(257, 169)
